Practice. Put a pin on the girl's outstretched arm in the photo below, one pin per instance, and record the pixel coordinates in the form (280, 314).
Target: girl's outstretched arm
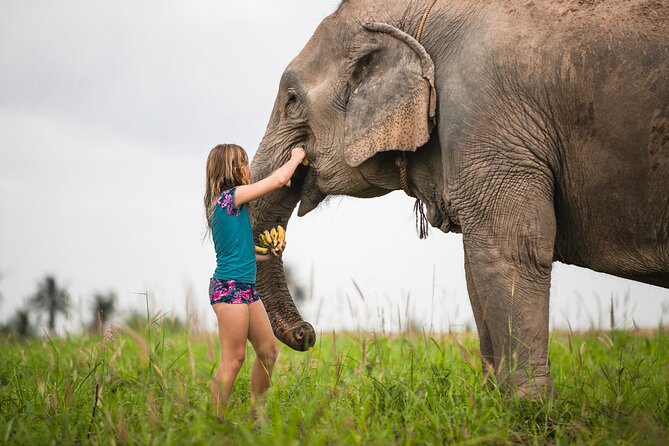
(280, 177)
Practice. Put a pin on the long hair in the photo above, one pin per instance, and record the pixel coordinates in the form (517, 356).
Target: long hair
(227, 167)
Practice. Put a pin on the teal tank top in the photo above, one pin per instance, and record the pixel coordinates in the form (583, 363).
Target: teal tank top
(233, 240)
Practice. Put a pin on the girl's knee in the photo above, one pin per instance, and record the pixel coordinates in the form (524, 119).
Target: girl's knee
(232, 362)
(269, 352)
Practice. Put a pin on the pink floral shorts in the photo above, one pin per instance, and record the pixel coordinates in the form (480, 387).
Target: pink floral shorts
(232, 292)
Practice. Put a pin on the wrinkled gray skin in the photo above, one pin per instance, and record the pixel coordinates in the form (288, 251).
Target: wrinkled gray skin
(539, 130)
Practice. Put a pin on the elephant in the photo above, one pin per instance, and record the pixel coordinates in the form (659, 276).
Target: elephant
(539, 130)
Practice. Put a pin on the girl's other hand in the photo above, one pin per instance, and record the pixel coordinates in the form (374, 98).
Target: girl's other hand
(263, 257)
(279, 249)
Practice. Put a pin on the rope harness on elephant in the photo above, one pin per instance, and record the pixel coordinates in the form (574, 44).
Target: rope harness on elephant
(419, 33)
(402, 161)
(419, 207)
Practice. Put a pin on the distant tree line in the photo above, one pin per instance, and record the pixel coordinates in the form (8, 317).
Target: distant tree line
(53, 301)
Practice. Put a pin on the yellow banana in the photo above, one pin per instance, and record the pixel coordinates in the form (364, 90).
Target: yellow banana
(271, 239)
(261, 250)
(263, 241)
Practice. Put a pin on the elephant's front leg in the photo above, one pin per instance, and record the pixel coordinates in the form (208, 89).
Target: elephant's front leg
(485, 342)
(509, 251)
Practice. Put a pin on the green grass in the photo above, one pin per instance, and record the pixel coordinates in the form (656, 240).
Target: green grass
(612, 388)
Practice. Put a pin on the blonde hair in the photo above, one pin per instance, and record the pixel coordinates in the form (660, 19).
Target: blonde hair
(227, 167)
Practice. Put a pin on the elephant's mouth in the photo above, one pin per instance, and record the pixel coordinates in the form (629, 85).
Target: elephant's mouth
(304, 182)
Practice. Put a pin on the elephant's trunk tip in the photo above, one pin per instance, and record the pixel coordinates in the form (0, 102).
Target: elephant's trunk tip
(308, 336)
(300, 337)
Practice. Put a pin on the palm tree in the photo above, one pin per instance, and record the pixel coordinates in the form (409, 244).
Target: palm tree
(51, 299)
(20, 324)
(103, 308)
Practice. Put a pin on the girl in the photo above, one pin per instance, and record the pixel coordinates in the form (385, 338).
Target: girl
(240, 313)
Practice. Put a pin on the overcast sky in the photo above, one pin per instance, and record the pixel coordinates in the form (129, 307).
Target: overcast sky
(107, 113)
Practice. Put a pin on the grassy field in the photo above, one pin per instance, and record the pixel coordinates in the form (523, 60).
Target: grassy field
(150, 386)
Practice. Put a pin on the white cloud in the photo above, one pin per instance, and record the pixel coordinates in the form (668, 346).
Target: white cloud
(98, 211)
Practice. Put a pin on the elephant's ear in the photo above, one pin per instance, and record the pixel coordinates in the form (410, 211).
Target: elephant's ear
(392, 100)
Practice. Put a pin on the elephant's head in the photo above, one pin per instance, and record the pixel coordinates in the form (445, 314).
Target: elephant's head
(356, 92)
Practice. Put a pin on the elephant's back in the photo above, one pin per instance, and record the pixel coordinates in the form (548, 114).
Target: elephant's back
(591, 19)
(552, 27)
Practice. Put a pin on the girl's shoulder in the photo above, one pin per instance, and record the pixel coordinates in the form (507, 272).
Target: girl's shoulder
(227, 202)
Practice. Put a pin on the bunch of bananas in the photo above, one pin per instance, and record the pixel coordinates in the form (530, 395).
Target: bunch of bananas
(272, 240)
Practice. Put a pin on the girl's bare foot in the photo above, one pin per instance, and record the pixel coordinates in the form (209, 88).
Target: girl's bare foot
(258, 416)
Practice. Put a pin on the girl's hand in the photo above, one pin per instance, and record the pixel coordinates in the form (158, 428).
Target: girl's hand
(278, 179)
(298, 154)
(279, 249)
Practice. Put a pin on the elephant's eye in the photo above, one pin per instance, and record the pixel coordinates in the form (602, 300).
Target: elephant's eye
(291, 107)
(291, 98)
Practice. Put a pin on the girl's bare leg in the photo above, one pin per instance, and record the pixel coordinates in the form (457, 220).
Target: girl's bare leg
(266, 348)
(233, 329)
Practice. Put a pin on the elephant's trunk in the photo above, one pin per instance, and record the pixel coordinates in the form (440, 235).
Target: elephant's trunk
(269, 211)
(287, 323)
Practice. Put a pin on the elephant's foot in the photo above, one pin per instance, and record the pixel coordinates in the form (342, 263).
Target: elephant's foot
(529, 385)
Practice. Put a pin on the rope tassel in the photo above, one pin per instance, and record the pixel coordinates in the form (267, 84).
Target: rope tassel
(421, 219)
(418, 207)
